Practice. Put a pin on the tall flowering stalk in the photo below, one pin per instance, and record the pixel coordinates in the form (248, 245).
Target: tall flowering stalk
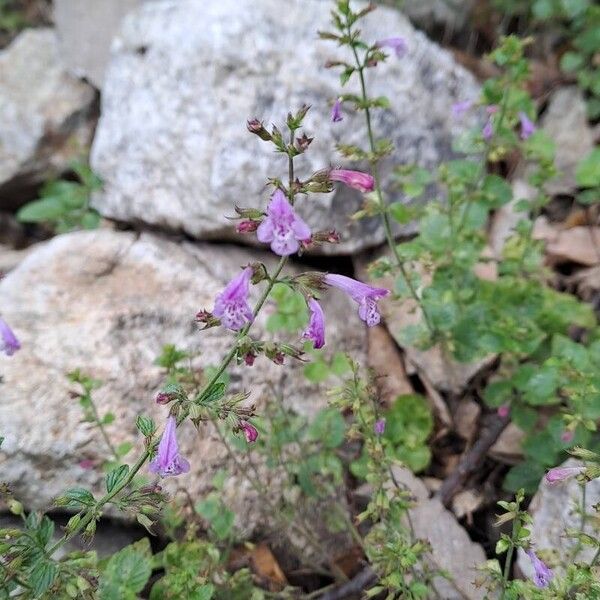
(344, 20)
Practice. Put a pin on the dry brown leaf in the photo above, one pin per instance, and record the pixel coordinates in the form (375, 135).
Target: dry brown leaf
(579, 244)
(385, 359)
(265, 565)
(466, 419)
(438, 406)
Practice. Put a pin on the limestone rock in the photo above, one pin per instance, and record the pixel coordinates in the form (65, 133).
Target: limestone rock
(554, 509)
(107, 302)
(45, 114)
(85, 31)
(566, 123)
(451, 548)
(172, 146)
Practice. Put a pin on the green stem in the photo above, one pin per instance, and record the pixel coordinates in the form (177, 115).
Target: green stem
(596, 558)
(509, 555)
(375, 173)
(100, 426)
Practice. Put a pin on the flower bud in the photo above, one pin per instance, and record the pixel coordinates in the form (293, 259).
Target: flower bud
(328, 235)
(15, 507)
(256, 127)
(164, 398)
(250, 432)
(209, 320)
(247, 226)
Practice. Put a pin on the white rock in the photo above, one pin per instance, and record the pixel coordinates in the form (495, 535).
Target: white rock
(85, 30)
(554, 509)
(172, 145)
(566, 123)
(106, 302)
(44, 112)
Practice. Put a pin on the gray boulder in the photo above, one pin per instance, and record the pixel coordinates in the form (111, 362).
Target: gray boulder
(45, 114)
(172, 146)
(85, 30)
(554, 509)
(106, 302)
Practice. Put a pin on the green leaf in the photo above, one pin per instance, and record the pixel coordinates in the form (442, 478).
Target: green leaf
(328, 427)
(41, 577)
(409, 421)
(587, 173)
(526, 475)
(123, 448)
(340, 364)
(316, 371)
(145, 425)
(127, 572)
(40, 211)
(497, 190)
(571, 61)
(108, 418)
(213, 394)
(115, 477)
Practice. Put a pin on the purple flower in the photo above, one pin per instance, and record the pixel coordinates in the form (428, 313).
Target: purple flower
(250, 432)
(362, 182)
(488, 131)
(379, 426)
(543, 574)
(459, 109)
(231, 305)
(283, 228)
(397, 44)
(168, 461)
(527, 126)
(365, 295)
(336, 111)
(316, 326)
(504, 410)
(9, 343)
(559, 474)
(567, 436)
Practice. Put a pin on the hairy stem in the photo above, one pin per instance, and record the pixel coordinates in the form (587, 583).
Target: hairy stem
(375, 173)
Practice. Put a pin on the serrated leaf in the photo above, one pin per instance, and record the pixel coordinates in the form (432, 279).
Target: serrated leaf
(115, 477)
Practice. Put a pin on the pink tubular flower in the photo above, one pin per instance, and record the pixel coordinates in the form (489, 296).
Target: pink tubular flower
(363, 182)
(543, 575)
(379, 426)
(336, 111)
(231, 305)
(9, 343)
(250, 432)
(168, 461)
(397, 44)
(559, 474)
(527, 126)
(364, 295)
(283, 228)
(316, 326)
(459, 109)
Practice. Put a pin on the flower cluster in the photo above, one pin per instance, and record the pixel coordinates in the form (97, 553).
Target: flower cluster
(287, 233)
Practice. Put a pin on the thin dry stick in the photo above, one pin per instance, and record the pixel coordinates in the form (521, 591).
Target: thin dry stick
(471, 460)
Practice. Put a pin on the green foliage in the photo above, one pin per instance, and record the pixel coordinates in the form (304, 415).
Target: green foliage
(126, 572)
(574, 23)
(291, 313)
(65, 204)
(194, 569)
(12, 18)
(408, 425)
(320, 368)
